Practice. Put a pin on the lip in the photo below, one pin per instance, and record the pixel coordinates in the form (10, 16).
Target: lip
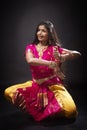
(40, 37)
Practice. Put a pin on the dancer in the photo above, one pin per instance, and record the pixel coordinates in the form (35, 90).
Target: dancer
(45, 95)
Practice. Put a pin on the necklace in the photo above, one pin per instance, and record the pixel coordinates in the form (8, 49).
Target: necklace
(41, 49)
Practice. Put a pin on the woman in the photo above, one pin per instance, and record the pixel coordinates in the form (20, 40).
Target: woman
(45, 96)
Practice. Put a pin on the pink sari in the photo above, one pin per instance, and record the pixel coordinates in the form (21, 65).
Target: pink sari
(40, 100)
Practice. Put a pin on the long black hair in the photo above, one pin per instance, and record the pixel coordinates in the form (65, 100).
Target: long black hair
(53, 38)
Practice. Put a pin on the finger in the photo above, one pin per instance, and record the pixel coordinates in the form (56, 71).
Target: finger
(20, 101)
(15, 97)
(22, 106)
(61, 75)
(18, 98)
(56, 55)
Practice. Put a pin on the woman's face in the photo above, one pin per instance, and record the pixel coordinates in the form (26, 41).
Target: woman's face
(42, 33)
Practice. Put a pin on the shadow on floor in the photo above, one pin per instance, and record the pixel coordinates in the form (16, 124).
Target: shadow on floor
(16, 120)
(13, 119)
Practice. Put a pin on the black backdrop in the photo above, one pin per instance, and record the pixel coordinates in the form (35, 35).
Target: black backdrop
(18, 23)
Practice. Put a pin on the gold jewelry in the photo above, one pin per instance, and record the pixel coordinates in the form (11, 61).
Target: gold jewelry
(52, 64)
(40, 49)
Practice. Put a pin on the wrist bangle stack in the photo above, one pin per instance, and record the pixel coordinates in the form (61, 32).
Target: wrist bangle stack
(52, 64)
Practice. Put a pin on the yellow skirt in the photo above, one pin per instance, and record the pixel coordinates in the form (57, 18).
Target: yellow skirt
(61, 94)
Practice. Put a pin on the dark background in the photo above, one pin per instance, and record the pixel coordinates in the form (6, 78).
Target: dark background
(19, 19)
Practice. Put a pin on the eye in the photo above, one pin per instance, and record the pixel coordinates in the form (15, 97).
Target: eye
(38, 30)
(44, 30)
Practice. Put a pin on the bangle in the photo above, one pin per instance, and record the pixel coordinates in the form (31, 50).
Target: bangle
(52, 64)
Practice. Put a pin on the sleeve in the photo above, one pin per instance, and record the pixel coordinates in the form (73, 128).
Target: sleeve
(63, 50)
(60, 49)
(29, 47)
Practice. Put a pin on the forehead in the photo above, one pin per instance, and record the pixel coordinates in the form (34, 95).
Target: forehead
(42, 27)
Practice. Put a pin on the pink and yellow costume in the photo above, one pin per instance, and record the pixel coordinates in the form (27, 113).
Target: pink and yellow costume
(48, 98)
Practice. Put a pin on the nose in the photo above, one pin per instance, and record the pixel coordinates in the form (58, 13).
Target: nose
(40, 32)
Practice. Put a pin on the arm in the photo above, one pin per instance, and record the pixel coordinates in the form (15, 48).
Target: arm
(69, 54)
(62, 55)
(35, 61)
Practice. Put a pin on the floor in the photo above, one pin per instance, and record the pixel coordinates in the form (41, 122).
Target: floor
(12, 119)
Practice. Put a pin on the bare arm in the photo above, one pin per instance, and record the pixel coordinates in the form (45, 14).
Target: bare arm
(36, 61)
(69, 54)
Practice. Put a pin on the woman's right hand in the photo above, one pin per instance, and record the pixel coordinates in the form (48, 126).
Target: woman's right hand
(19, 101)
